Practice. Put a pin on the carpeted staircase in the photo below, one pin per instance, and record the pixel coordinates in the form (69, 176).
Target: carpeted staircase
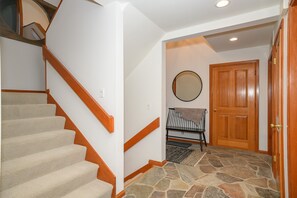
(39, 158)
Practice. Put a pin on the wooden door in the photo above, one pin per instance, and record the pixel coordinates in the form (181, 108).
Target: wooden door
(234, 105)
(277, 111)
(292, 101)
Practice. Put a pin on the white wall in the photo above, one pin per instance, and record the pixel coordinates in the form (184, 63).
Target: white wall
(140, 35)
(34, 13)
(93, 53)
(143, 87)
(22, 66)
(54, 2)
(197, 57)
(143, 91)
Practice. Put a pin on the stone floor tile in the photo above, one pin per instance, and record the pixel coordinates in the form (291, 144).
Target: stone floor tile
(260, 182)
(267, 193)
(213, 192)
(265, 172)
(152, 176)
(194, 190)
(227, 178)
(179, 184)
(163, 184)
(210, 180)
(158, 194)
(207, 169)
(139, 191)
(238, 162)
(272, 184)
(233, 190)
(189, 174)
(198, 195)
(204, 161)
(175, 193)
(216, 163)
(239, 172)
(224, 155)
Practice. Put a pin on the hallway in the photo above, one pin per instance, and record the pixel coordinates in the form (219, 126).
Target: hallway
(222, 172)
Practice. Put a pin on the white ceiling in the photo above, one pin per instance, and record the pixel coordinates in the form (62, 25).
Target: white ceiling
(248, 37)
(171, 15)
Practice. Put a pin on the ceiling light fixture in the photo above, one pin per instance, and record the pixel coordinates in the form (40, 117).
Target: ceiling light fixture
(222, 3)
(233, 39)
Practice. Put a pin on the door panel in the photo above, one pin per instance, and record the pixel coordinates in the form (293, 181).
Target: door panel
(234, 104)
(241, 88)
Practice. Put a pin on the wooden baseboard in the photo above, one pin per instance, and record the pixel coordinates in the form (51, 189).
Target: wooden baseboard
(186, 141)
(145, 168)
(263, 152)
(121, 194)
(22, 91)
(156, 163)
(104, 172)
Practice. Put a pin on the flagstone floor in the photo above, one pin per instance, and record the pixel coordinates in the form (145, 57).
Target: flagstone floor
(222, 173)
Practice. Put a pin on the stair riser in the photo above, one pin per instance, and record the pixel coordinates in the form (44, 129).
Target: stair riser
(15, 128)
(12, 112)
(23, 98)
(12, 150)
(41, 168)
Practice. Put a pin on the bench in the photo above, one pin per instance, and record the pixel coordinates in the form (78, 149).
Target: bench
(187, 120)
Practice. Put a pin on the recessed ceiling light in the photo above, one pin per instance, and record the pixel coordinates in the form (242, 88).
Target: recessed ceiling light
(233, 39)
(222, 3)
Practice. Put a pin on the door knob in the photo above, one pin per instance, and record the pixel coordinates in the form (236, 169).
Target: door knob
(215, 110)
(278, 126)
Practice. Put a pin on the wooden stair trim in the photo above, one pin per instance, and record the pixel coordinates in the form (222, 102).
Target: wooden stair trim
(145, 168)
(104, 172)
(38, 26)
(98, 111)
(23, 91)
(142, 134)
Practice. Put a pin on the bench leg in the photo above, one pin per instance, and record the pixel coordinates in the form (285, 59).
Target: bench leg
(166, 135)
(201, 142)
(204, 139)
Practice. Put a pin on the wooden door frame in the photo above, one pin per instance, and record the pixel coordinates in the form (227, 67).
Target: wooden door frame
(292, 94)
(212, 66)
(269, 112)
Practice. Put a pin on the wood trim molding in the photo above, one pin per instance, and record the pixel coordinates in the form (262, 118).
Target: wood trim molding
(54, 16)
(142, 134)
(21, 16)
(98, 111)
(264, 152)
(121, 194)
(145, 168)
(292, 103)
(293, 3)
(156, 163)
(22, 91)
(104, 172)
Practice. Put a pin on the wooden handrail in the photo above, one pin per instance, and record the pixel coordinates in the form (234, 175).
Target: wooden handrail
(106, 119)
(142, 134)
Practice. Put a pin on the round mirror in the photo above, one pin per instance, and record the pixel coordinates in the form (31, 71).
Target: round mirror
(187, 86)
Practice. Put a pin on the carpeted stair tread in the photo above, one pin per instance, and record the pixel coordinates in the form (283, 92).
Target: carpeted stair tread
(25, 145)
(20, 127)
(12, 112)
(9, 98)
(55, 184)
(94, 189)
(22, 169)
